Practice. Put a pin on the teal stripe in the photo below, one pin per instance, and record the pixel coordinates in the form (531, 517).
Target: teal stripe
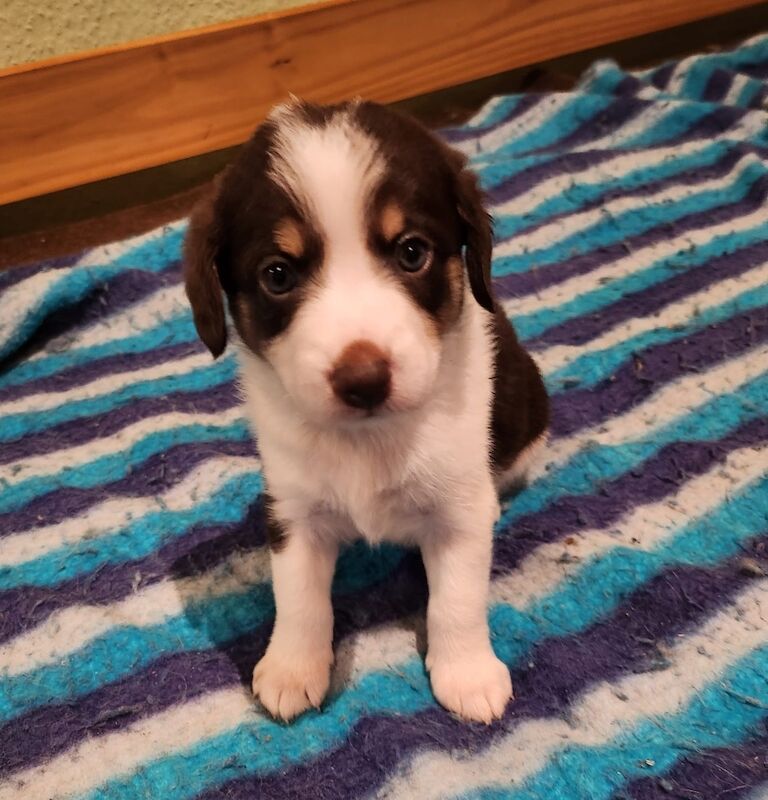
(175, 330)
(401, 691)
(695, 81)
(749, 92)
(723, 714)
(681, 118)
(611, 229)
(228, 505)
(74, 283)
(116, 465)
(597, 365)
(594, 465)
(207, 623)
(497, 115)
(13, 426)
(572, 115)
(578, 195)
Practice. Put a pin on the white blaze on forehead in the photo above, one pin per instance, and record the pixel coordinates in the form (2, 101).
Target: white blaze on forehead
(330, 170)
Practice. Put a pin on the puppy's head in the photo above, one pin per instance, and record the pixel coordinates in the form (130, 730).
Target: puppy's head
(343, 238)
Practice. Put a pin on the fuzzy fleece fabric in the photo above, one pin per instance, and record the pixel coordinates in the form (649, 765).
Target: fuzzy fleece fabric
(629, 592)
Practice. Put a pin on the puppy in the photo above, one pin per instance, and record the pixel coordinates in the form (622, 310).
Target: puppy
(388, 392)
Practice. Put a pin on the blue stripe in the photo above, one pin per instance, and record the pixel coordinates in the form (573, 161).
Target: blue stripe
(229, 504)
(205, 623)
(13, 426)
(572, 115)
(401, 691)
(723, 714)
(581, 194)
(74, 283)
(596, 365)
(175, 330)
(116, 465)
(594, 465)
(610, 229)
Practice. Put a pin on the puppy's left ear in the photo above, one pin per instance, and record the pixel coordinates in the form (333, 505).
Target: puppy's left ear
(478, 236)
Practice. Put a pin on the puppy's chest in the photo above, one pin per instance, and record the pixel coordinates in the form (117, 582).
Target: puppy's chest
(363, 498)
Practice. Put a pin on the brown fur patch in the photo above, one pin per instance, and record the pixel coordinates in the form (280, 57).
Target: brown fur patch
(391, 221)
(289, 237)
(276, 533)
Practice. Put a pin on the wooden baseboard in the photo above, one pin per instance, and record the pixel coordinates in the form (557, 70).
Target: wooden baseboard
(74, 120)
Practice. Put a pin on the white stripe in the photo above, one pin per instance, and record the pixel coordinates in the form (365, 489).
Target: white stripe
(68, 630)
(477, 119)
(535, 117)
(616, 166)
(600, 716)
(22, 299)
(114, 514)
(104, 385)
(670, 402)
(737, 85)
(96, 760)
(578, 221)
(152, 312)
(107, 253)
(645, 527)
(640, 123)
(61, 460)
(670, 316)
(696, 661)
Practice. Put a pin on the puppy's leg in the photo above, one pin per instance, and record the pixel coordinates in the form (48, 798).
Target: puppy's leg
(467, 677)
(295, 670)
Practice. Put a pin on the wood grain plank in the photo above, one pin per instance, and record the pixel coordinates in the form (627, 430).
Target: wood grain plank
(71, 121)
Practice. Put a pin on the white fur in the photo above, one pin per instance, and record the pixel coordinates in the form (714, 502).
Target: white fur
(418, 472)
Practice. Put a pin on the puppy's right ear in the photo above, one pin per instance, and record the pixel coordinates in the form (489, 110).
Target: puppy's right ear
(201, 277)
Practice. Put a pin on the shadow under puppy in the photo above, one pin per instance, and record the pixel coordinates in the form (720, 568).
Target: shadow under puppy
(389, 394)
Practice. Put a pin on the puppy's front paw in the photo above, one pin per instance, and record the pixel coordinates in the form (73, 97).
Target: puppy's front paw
(288, 684)
(476, 687)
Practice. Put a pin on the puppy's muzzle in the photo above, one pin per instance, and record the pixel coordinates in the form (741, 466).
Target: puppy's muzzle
(361, 377)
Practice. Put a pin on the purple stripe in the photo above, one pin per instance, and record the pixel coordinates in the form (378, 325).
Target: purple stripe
(713, 125)
(103, 299)
(109, 365)
(99, 426)
(658, 477)
(605, 122)
(468, 132)
(549, 274)
(180, 677)
(646, 302)
(198, 550)
(660, 77)
(639, 378)
(401, 594)
(728, 773)
(718, 84)
(11, 276)
(522, 182)
(690, 177)
(558, 671)
(157, 474)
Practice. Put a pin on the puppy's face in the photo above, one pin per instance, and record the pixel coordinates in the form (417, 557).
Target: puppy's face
(342, 238)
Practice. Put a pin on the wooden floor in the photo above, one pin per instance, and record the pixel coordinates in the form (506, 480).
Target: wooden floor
(72, 220)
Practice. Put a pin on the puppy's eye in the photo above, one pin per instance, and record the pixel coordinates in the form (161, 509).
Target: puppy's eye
(277, 275)
(413, 253)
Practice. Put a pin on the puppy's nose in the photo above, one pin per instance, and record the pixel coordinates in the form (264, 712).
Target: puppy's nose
(361, 376)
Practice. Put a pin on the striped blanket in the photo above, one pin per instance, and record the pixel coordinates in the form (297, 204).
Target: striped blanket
(629, 592)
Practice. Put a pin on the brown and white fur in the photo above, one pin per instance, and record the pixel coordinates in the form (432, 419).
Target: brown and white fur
(388, 392)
